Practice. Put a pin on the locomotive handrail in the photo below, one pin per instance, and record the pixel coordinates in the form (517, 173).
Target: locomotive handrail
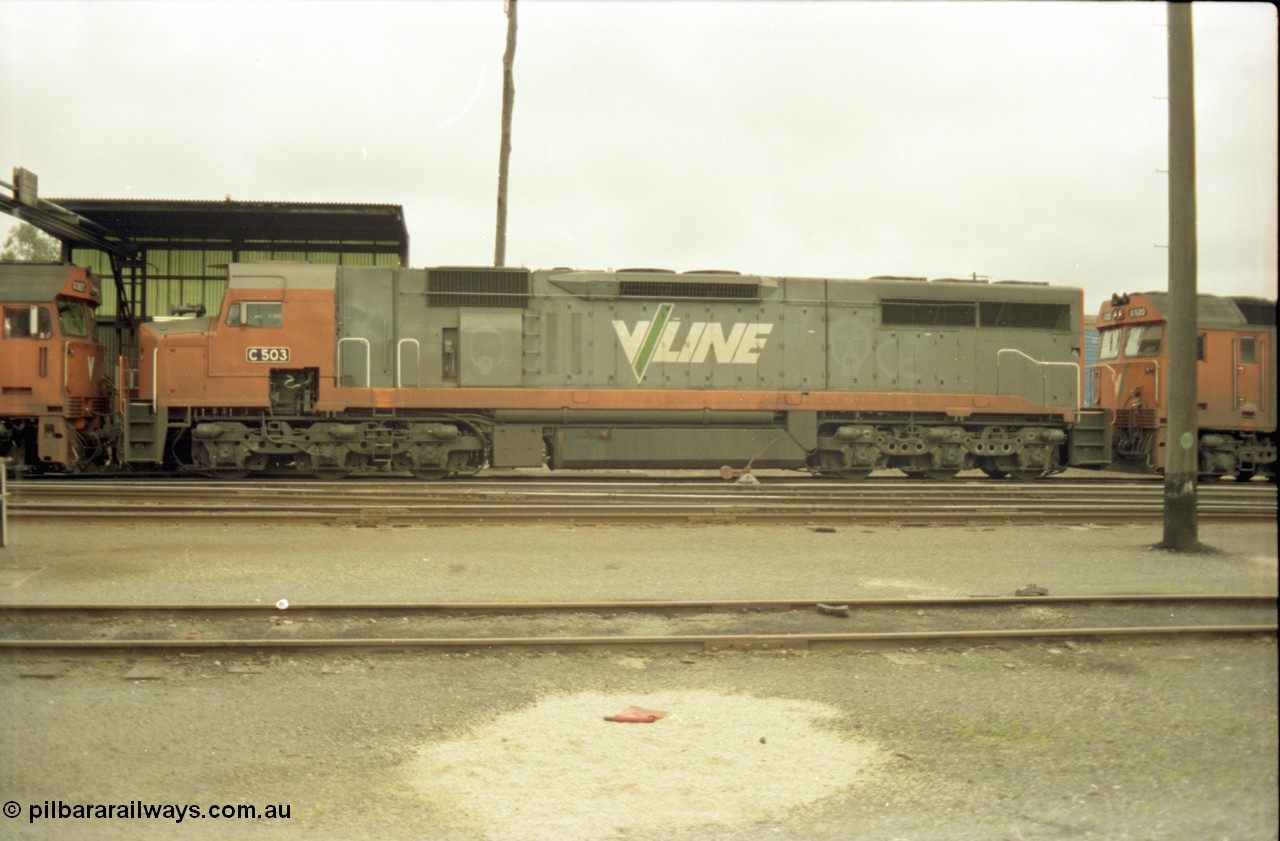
(1042, 364)
(66, 364)
(155, 393)
(368, 357)
(4, 504)
(1115, 380)
(417, 365)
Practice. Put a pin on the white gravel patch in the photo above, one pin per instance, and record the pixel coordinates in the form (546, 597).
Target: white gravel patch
(558, 770)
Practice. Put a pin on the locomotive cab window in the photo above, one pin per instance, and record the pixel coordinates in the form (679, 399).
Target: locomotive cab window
(256, 314)
(29, 322)
(73, 320)
(1248, 350)
(1143, 340)
(1109, 343)
(1200, 348)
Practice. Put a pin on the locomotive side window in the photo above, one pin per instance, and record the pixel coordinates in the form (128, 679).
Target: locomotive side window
(1109, 344)
(1143, 340)
(256, 314)
(1200, 350)
(72, 319)
(1248, 350)
(29, 322)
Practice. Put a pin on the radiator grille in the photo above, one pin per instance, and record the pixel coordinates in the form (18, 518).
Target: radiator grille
(1136, 418)
(686, 289)
(79, 407)
(478, 287)
(1032, 316)
(908, 313)
(1257, 311)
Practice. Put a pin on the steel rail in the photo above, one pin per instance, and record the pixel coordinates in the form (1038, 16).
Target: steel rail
(604, 489)
(711, 641)
(717, 641)
(622, 514)
(705, 605)
(655, 502)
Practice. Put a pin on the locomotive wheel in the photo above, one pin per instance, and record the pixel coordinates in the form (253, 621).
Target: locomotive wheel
(1001, 467)
(1026, 474)
(332, 470)
(850, 475)
(941, 474)
(428, 474)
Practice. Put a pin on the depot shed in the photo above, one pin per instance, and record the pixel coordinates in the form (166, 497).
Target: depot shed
(180, 249)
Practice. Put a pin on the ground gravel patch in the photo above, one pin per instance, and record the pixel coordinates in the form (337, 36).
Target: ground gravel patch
(718, 760)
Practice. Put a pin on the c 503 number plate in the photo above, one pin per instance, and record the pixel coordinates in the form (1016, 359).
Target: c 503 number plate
(266, 354)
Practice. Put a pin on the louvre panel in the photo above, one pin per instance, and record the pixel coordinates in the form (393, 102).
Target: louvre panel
(1257, 311)
(477, 287)
(1031, 316)
(687, 289)
(926, 313)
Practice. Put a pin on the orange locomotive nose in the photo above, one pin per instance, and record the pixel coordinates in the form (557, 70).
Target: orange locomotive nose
(53, 383)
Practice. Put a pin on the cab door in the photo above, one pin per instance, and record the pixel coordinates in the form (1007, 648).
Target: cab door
(83, 359)
(1251, 392)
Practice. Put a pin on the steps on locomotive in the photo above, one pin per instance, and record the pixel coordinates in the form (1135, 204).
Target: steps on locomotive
(144, 434)
(1090, 442)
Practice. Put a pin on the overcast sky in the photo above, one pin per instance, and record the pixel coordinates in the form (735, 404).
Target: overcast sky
(830, 139)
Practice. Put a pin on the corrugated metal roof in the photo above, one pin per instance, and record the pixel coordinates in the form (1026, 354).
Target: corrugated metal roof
(255, 225)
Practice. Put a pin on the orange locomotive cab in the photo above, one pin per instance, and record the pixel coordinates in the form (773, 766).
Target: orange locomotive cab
(266, 349)
(54, 397)
(1235, 381)
(264, 358)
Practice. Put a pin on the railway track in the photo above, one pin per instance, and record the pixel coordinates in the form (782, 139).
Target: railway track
(651, 501)
(696, 626)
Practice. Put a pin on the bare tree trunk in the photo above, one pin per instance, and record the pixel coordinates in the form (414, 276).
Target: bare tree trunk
(504, 155)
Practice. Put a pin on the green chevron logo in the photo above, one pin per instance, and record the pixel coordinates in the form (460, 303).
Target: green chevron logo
(643, 355)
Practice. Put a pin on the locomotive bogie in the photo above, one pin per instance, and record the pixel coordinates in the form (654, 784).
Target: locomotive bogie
(333, 449)
(941, 451)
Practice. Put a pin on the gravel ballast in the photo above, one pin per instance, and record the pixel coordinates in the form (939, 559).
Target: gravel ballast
(1104, 739)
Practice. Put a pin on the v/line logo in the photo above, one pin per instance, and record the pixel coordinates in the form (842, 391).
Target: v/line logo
(657, 341)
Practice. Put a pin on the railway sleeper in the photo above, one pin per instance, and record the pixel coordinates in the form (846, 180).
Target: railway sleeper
(940, 452)
(334, 449)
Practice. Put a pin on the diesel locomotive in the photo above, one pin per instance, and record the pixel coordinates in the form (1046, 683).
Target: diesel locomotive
(330, 371)
(54, 379)
(1235, 376)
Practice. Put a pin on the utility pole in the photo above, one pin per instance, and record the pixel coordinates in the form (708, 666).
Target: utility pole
(504, 154)
(1181, 453)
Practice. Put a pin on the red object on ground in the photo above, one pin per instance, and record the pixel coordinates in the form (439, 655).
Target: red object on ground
(637, 715)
